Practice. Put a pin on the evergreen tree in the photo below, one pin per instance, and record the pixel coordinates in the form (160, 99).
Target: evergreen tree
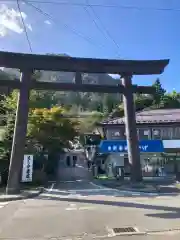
(160, 92)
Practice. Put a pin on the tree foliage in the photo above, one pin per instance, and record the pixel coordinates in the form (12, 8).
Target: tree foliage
(50, 129)
(47, 127)
(38, 99)
(88, 124)
(160, 92)
(160, 99)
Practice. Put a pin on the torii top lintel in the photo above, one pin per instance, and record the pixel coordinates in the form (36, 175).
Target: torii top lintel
(87, 65)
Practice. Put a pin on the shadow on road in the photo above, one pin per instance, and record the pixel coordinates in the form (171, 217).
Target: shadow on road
(170, 212)
(167, 215)
(168, 189)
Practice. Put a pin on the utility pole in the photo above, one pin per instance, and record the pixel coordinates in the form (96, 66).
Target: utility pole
(19, 137)
(131, 132)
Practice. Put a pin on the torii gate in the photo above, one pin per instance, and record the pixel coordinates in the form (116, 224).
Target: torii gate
(27, 63)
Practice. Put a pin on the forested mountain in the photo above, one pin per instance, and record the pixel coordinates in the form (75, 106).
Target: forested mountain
(88, 102)
(77, 101)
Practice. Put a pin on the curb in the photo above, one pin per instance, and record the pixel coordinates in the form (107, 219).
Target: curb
(153, 190)
(138, 190)
(28, 196)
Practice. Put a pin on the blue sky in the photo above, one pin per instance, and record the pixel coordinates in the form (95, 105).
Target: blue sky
(140, 28)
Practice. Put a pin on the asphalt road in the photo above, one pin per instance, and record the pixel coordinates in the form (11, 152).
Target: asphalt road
(80, 172)
(79, 209)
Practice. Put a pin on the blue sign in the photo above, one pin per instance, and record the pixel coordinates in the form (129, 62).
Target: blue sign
(107, 146)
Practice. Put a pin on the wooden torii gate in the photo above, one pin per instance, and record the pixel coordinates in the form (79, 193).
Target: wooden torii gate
(27, 63)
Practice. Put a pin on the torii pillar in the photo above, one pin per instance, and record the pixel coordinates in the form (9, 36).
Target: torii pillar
(130, 126)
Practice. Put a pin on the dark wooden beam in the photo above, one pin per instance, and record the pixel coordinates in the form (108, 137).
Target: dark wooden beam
(143, 89)
(77, 87)
(56, 86)
(10, 83)
(89, 87)
(87, 65)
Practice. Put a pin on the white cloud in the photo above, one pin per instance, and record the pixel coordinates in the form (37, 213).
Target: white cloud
(10, 19)
(47, 22)
(3, 31)
(29, 26)
(24, 16)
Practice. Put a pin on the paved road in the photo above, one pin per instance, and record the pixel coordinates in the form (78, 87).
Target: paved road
(80, 172)
(82, 210)
(79, 209)
(83, 188)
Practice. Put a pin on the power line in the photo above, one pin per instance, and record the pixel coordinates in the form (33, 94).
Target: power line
(105, 29)
(100, 5)
(79, 34)
(24, 26)
(87, 11)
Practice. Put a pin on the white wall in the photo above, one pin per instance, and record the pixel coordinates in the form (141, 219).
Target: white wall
(116, 159)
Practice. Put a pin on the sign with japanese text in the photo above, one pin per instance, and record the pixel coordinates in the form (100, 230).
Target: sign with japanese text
(27, 169)
(110, 146)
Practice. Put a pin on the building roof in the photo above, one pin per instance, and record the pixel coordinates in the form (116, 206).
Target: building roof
(150, 116)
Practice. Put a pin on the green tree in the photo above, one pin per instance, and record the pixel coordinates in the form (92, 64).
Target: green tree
(7, 137)
(38, 99)
(50, 129)
(47, 128)
(42, 99)
(88, 124)
(44, 123)
(110, 102)
(141, 101)
(160, 92)
(171, 100)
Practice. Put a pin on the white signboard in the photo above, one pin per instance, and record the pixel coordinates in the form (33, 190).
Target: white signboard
(27, 169)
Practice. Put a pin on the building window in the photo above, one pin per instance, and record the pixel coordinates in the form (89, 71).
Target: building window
(74, 161)
(156, 133)
(176, 133)
(144, 134)
(166, 133)
(163, 133)
(68, 161)
(117, 134)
